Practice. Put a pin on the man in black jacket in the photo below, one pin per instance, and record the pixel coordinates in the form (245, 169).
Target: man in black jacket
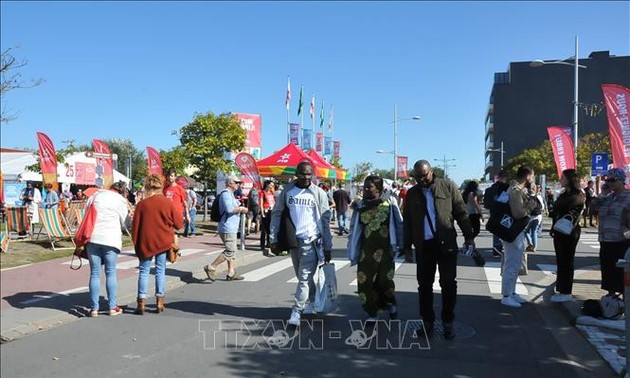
(500, 186)
(431, 208)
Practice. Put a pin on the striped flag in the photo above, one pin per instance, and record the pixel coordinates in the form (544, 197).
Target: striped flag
(321, 116)
(330, 120)
(288, 100)
(301, 102)
(313, 107)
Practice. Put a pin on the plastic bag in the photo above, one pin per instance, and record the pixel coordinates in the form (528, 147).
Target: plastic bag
(326, 298)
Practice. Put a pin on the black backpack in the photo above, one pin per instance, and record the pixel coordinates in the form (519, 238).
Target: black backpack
(215, 212)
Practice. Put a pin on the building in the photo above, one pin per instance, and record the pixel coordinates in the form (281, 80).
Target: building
(526, 100)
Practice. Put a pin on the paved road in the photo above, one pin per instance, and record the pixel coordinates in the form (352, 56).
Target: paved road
(236, 328)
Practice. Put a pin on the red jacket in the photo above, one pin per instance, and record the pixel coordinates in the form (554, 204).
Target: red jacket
(154, 221)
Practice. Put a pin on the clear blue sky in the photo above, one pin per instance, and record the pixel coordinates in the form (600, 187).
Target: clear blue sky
(140, 70)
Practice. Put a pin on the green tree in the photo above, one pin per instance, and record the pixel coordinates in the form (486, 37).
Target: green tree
(360, 171)
(125, 150)
(384, 173)
(174, 159)
(207, 139)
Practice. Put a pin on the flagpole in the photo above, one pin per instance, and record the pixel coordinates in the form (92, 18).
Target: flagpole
(288, 104)
(312, 121)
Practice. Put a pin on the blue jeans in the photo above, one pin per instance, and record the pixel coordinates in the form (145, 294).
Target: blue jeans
(190, 227)
(103, 254)
(342, 221)
(160, 275)
(497, 243)
(532, 230)
(305, 262)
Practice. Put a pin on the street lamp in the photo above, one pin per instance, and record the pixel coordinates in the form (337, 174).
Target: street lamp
(540, 63)
(446, 164)
(501, 150)
(396, 119)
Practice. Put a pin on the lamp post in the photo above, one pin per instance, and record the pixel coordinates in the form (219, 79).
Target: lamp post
(446, 164)
(501, 150)
(396, 119)
(540, 63)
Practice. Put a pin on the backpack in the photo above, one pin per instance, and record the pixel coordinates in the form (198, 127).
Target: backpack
(489, 195)
(591, 307)
(612, 306)
(215, 212)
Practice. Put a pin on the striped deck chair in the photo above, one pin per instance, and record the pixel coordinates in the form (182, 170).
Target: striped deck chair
(79, 214)
(71, 214)
(4, 241)
(18, 223)
(56, 228)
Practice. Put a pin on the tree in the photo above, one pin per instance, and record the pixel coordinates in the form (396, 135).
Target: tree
(125, 150)
(360, 172)
(10, 79)
(384, 173)
(175, 159)
(207, 140)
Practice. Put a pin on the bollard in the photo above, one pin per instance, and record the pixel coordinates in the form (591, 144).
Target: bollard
(625, 264)
(242, 227)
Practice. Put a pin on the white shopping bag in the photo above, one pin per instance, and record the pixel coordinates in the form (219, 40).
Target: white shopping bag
(326, 300)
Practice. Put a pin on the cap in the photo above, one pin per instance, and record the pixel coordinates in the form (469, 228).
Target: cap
(617, 173)
(233, 178)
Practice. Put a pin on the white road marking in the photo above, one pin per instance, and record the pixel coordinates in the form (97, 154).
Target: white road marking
(493, 275)
(38, 298)
(396, 266)
(265, 271)
(338, 265)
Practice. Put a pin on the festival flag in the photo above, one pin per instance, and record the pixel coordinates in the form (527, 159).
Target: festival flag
(288, 99)
(301, 103)
(47, 160)
(306, 139)
(401, 166)
(321, 116)
(562, 145)
(617, 98)
(154, 161)
(319, 139)
(247, 164)
(327, 145)
(313, 107)
(337, 149)
(104, 164)
(330, 120)
(294, 133)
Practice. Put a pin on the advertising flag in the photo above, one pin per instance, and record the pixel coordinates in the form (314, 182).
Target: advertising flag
(306, 139)
(104, 164)
(319, 139)
(252, 123)
(617, 97)
(327, 145)
(562, 145)
(301, 103)
(313, 107)
(401, 167)
(47, 160)
(337, 149)
(154, 161)
(294, 133)
(287, 102)
(247, 164)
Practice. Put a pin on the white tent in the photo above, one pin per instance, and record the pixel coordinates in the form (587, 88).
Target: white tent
(77, 168)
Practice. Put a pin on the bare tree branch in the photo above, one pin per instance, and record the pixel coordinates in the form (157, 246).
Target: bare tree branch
(10, 79)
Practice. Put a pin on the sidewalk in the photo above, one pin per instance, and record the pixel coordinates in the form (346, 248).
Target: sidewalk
(44, 295)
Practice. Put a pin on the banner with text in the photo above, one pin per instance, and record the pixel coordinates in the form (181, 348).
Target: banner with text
(327, 145)
(319, 140)
(294, 133)
(306, 139)
(252, 123)
(247, 164)
(47, 160)
(336, 149)
(401, 167)
(154, 161)
(616, 97)
(85, 173)
(104, 164)
(562, 145)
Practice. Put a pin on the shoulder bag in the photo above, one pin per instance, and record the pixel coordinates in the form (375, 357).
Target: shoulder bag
(564, 225)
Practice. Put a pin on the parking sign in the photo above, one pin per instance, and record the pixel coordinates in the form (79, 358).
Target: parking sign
(599, 164)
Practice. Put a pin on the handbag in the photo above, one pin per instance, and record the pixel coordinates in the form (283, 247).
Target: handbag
(564, 225)
(502, 224)
(173, 254)
(326, 298)
(83, 234)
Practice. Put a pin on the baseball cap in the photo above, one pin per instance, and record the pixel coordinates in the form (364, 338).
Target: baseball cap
(233, 178)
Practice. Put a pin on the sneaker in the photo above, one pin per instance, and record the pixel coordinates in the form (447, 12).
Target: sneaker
(449, 332)
(309, 309)
(518, 298)
(510, 302)
(234, 277)
(371, 319)
(530, 248)
(211, 273)
(559, 298)
(115, 311)
(93, 313)
(294, 320)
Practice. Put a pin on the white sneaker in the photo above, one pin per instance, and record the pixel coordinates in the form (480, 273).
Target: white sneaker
(510, 301)
(309, 309)
(518, 298)
(294, 320)
(558, 298)
(371, 319)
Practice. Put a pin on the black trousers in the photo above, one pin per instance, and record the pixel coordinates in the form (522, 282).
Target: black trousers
(475, 222)
(426, 263)
(609, 253)
(564, 246)
(265, 229)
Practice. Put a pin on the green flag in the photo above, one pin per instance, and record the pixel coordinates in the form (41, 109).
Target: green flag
(321, 117)
(301, 102)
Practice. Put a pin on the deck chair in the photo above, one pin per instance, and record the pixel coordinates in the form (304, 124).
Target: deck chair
(18, 223)
(4, 242)
(71, 214)
(56, 228)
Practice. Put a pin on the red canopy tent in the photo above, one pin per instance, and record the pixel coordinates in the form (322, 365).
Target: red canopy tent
(284, 162)
(332, 171)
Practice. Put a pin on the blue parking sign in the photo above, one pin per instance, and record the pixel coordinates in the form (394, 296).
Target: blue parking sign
(599, 164)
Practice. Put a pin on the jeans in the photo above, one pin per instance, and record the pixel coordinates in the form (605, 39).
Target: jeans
(497, 243)
(160, 275)
(513, 258)
(532, 230)
(190, 227)
(102, 254)
(265, 229)
(342, 221)
(426, 263)
(305, 262)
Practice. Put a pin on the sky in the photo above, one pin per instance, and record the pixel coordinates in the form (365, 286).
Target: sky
(140, 70)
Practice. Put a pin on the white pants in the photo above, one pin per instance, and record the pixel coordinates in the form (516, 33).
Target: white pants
(513, 255)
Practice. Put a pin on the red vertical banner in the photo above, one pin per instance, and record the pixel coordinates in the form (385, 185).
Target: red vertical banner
(104, 164)
(401, 167)
(562, 145)
(252, 123)
(247, 164)
(47, 160)
(319, 142)
(616, 97)
(154, 161)
(336, 148)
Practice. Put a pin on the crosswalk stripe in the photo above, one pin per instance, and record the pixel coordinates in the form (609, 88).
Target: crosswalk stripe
(493, 274)
(133, 263)
(338, 265)
(267, 270)
(396, 266)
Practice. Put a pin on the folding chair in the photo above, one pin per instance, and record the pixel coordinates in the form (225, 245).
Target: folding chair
(78, 215)
(71, 214)
(18, 223)
(56, 228)
(4, 242)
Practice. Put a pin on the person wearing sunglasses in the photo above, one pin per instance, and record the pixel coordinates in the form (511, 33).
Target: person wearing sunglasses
(614, 229)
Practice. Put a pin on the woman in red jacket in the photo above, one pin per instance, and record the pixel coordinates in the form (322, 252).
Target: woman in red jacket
(154, 222)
